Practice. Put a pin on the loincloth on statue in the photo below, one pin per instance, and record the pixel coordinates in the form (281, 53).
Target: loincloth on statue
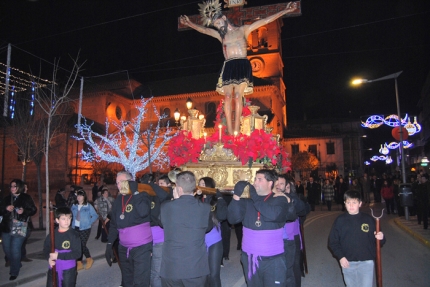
(235, 72)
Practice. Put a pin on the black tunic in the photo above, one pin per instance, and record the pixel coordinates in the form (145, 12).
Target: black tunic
(136, 211)
(68, 240)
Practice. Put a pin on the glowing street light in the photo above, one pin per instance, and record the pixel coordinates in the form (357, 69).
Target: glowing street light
(177, 115)
(189, 103)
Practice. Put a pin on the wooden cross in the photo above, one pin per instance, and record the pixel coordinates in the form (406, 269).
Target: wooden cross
(240, 15)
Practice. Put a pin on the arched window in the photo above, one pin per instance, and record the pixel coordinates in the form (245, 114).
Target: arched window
(166, 112)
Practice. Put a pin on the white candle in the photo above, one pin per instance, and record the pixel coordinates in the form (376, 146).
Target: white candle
(220, 131)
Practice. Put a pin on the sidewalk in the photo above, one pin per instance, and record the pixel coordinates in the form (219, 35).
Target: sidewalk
(417, 231)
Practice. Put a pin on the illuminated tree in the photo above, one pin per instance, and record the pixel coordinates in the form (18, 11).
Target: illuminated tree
(304, 161)
(135, 144)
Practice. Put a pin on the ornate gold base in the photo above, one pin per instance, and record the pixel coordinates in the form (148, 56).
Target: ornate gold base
(225, 173)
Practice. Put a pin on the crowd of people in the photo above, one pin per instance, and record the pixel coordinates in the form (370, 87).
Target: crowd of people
(179, 233)
(385, 189)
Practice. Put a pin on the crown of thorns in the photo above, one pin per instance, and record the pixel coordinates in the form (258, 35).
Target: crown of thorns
(210, 11)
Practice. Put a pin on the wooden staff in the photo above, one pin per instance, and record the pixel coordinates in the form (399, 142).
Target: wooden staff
(107, 232)
(378, 252)
(143, 187)
(52, 237)
(305, 260)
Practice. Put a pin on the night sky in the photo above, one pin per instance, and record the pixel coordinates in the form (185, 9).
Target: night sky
(332, 42)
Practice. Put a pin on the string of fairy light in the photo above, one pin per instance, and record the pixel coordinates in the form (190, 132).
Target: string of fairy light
(19, 81)
(375, 121)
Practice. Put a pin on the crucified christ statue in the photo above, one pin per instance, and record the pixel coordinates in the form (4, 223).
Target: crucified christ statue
(236, 75)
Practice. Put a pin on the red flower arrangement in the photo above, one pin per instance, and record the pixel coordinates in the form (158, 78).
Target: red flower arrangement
(184, 148)
(258, 147)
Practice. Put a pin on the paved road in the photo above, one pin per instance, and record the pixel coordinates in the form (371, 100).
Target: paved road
(405, 260)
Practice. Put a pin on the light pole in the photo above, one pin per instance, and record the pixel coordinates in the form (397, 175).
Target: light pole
(402, 159)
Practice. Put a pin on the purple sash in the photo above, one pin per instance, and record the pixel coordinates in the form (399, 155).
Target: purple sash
(134, 236)
(61, 265)
(157, 235)
(258, 243)
(213, 237)
(292, 229)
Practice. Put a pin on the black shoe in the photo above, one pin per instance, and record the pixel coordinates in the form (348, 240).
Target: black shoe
(104, 241)
(26, 259)
(239, 247)
(7, 264)
(97, 237)
(12, 277)
(226, 258)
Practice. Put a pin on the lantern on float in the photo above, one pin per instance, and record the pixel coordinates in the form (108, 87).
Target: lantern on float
(396, 133)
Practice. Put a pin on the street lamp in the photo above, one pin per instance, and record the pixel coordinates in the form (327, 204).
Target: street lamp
(402, 159)
(189, 103)
(177, 115)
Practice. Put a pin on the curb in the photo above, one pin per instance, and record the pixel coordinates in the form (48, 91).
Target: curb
(415, 235)
(37, 276)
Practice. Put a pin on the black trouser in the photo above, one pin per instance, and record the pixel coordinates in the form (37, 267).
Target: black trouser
(423, 214)
(271, 271)
(136, 269)
(377, 196)
(99, 229)
(328, 202)
(290, 255)
(104, 234)
(84, 235)
(190, 282)
(24, 245)
(297, 270)
(239, 234)
(389, 203)
(226, 235)
(69, 278)
(215, 255)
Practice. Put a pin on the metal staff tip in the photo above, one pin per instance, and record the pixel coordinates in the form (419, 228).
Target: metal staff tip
(382, 213)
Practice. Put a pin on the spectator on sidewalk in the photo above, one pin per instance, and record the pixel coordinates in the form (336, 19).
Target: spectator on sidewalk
(71, 199)
(60, 198)
(314, 193)
(328, 191)
(365, 184)
(16, 207)
(387, 193)
(423, 194)
(84, 216)
(103, 206)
